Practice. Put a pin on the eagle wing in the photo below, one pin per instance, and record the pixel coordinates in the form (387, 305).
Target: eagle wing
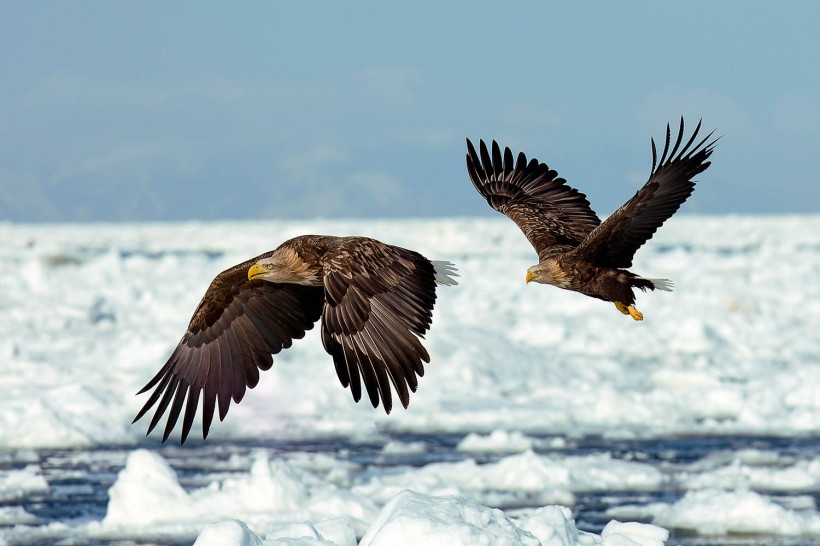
(547, 210)
(670, 183)
(235, 329)
(378, 303)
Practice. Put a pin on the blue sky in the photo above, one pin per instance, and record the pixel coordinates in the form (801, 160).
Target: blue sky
(205, 110)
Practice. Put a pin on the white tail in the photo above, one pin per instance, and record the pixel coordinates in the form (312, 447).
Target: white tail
(660, 284)
(445, 271)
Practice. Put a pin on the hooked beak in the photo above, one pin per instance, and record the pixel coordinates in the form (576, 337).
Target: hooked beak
(530, 276)
(255, 271)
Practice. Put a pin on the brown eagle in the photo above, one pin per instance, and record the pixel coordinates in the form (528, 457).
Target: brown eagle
(375, 301)
(576, 251)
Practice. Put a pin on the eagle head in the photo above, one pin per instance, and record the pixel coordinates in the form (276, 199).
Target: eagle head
(534, 274)
(286, 266)
(548, 272)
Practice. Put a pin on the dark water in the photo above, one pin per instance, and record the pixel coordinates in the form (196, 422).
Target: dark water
(79, 479)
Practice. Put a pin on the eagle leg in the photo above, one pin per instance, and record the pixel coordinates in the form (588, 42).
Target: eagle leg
(634, 313)
(621, 307)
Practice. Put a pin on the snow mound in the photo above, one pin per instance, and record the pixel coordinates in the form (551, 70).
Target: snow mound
(148, 493)
(335, 532)
(719, 512)
(412, 518)
(19, 484)
(498, 441)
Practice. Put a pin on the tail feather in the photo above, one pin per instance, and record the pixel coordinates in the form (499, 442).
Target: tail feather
(445, 272)
(654, 284)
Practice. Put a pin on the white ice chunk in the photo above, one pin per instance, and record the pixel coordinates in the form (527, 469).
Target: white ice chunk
(719, 512)
(18, 484)
(147, 492)
(413, 518)
(617, 533)
(498, 441)
(227, 533)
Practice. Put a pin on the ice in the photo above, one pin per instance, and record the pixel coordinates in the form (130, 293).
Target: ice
(235, 533)
(757, 470)
(90, 313)
(403, 448)
(18, 484)
(413, 518)
(544, 479)
(499, 441)
(12, 515)
(227, 533)
(617, 533)
(740, 327)
(720, 512)
(289, 506)
(147, 491)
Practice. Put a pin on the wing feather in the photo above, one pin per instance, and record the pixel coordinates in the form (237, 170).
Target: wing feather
(548, 211)
(671, 182)
(227, 367)
(379, 301)
(235, 329)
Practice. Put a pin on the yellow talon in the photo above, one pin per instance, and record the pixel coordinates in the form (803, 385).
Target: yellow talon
(621, 307)
(634, 313)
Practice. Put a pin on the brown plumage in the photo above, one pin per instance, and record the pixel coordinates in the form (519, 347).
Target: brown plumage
(576, 251)
(375, 301)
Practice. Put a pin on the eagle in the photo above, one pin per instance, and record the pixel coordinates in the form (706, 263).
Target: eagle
(375, 301)
(576, 251)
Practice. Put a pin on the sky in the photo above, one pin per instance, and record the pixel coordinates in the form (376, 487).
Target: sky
(132, 111)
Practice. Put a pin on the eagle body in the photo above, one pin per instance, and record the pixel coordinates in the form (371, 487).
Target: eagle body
(572, 273)
(576, 250)
(375, 302)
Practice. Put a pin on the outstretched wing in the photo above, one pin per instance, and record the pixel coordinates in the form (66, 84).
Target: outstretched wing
(234, 330)
(670, 183)
(379, 302)
(547, 210)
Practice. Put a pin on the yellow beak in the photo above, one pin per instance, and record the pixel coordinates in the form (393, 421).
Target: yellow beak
(530, 276)
(255, 271)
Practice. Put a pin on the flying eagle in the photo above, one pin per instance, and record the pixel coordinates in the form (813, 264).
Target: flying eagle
(375, 301)
(576, 251)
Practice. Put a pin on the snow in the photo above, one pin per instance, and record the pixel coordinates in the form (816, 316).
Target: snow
(236, 533)
(740, 327)
(412, 518)
(720, 512)
(92, 311)
(290, 506)
(499, 441)
(147, 491)
(12, 515)
(758, 470)
(547, 479)
(17, 484)
(626, 534)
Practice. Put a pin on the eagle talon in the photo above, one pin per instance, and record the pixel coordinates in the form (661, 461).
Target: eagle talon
(634, 313)
(621, 307)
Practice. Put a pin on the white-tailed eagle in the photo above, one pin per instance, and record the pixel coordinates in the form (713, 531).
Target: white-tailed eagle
(375, 301)
(576, 251)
